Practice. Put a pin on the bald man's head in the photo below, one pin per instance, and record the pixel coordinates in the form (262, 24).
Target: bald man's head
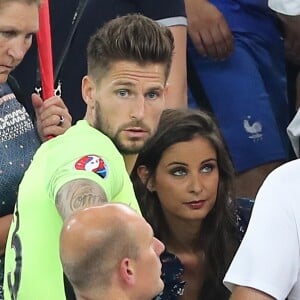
(108, 251)
(94, 240)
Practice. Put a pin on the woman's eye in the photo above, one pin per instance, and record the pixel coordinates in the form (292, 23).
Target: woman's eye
(207, 168)
(179, 172)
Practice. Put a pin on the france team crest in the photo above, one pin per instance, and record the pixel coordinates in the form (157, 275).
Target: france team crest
(92, 163)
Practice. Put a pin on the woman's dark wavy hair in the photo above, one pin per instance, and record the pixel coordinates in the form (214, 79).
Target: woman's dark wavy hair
(218, 231)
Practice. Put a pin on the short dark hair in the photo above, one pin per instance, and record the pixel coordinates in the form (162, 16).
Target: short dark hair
(132, 37)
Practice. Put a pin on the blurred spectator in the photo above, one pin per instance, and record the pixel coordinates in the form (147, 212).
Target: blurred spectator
(236, 54)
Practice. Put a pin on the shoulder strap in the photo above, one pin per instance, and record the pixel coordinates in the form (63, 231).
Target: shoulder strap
(15, 87)
(20, 95)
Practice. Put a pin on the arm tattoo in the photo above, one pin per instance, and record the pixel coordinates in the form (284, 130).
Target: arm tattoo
(79, 194)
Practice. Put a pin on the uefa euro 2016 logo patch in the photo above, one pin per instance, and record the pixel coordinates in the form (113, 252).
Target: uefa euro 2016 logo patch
(92, 163)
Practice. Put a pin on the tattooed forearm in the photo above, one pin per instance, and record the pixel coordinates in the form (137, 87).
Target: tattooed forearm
(79, 194)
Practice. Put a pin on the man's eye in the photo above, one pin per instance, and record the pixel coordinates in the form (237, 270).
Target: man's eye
(123, 93)
(7, 34)
(152, 95)
(29, 36)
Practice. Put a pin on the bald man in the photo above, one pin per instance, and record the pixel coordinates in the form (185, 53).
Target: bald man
(109, 252)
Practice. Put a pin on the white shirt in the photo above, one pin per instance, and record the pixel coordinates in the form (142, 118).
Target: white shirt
(293, 131)
(268, 258)
(286, 7)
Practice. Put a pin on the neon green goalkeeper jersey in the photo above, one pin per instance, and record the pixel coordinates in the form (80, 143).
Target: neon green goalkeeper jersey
(33, 269)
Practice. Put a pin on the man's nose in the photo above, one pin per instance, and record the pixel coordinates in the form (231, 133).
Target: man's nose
(138, 108)
(160, 247)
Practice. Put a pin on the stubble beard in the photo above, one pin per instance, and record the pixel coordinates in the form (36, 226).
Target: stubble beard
(132, 149)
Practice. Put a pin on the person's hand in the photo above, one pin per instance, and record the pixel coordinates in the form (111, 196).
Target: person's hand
(208, 29)
(52, 116)
(291, 27)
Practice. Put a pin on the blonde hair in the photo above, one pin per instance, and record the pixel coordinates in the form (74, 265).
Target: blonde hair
(37, 2)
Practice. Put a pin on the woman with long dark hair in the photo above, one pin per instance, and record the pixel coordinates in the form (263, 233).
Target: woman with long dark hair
(183, 182)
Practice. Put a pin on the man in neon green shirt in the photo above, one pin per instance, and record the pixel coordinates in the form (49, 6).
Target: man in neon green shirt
(128, 65)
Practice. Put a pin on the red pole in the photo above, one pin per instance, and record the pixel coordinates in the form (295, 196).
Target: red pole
(45, 51)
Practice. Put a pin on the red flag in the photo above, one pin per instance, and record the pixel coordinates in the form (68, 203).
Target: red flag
(45, 51)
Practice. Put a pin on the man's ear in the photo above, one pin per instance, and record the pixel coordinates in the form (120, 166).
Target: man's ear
(127, 271)
(167, 88)
(87, 89)
(144, 175)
